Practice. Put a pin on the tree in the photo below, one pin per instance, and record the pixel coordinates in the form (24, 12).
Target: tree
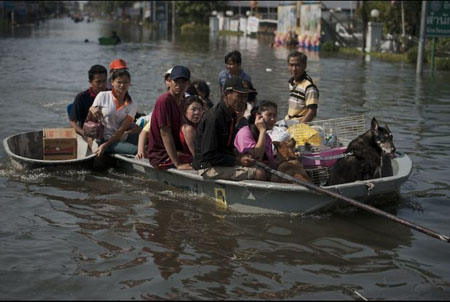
(391, 15)
(196, 12)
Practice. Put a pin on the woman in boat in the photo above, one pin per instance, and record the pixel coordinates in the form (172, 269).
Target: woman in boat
(193, 113)
(253, 138)
(116, 111)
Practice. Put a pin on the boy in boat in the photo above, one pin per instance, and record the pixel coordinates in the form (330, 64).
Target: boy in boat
(215, 156)
(233, 68)
(83, 101)
(303, 95)
(164, 136)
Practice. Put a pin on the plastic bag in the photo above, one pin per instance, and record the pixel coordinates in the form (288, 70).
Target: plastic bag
(304, 134)
(93, 129)
(279, 134)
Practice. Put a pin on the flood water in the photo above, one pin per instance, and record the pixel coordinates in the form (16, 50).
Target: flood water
(75, 234)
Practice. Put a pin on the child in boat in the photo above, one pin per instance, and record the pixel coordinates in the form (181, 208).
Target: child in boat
(201, 88)
(253, 138)
(233, 63)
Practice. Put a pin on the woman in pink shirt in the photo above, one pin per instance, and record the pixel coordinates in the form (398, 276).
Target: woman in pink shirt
(253, 139)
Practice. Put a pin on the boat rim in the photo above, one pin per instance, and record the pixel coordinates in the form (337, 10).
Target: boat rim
(41, 161)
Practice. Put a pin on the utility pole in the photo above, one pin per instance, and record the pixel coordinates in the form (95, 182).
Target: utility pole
(423, 16)
(173, 19)
(173, 15)
(403, 19)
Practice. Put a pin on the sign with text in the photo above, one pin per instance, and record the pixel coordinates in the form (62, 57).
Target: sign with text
(438, 19)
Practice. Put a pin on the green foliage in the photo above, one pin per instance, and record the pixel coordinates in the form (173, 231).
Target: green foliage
(329, 46)
(230, 33)
(442, 46)
(196, 12)
(194, 28)
(109, 6)
(442, 63)
(391, 15)
(412, 55)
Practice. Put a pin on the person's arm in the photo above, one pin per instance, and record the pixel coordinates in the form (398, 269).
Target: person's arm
(189, 136)
(116, 137)
(310, 114)
(312, 99)
(169, 144)
(73, 117)
(77, 128)
(260, 147)
(142, 141)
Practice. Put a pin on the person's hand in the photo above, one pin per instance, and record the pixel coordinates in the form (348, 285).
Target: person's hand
(184, 167)
(96, 112)
(260, 123)
(100, 150)
(247, 160)
(139, 155)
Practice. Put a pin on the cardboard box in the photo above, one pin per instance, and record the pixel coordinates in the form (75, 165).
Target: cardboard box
(59, 143)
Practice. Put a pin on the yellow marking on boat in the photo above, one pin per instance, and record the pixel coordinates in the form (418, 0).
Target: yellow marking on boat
(221, 198)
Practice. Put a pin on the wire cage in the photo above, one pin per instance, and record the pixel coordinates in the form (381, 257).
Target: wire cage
(321, 143)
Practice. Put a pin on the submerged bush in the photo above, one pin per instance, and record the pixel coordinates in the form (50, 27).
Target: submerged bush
(412, 55)
(442, 63)
(189, 27)
(329, 46)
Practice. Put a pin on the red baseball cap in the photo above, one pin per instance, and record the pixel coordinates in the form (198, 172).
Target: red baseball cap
(118, 64)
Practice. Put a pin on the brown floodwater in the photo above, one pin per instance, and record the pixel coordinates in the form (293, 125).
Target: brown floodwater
(78, 235)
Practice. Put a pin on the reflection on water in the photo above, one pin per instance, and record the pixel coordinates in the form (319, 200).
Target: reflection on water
(74, 234)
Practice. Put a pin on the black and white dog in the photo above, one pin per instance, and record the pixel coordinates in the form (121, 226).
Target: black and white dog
(366, 155)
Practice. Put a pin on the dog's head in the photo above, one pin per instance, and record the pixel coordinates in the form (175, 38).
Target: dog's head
(285, 150)
(383, 137)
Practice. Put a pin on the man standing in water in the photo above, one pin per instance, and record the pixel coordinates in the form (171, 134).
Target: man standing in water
(304, 95)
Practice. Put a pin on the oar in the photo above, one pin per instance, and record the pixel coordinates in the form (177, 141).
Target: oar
(353, 202)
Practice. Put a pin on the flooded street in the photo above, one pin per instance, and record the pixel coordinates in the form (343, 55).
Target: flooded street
(79, 235)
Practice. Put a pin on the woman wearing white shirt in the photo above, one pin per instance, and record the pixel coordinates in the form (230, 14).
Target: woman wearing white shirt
(116, 110)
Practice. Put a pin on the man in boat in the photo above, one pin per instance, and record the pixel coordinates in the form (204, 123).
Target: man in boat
(303, 95)
(83, 101)
(164, 136)
(233, 63)
(115, 37)
(215, 156)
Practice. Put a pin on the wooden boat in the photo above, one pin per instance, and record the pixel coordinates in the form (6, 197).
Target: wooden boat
(25, 151)
(251, 196)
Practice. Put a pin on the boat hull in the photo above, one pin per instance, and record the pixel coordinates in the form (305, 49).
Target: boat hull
(25, 151)
(252, 196)
(107, 41)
